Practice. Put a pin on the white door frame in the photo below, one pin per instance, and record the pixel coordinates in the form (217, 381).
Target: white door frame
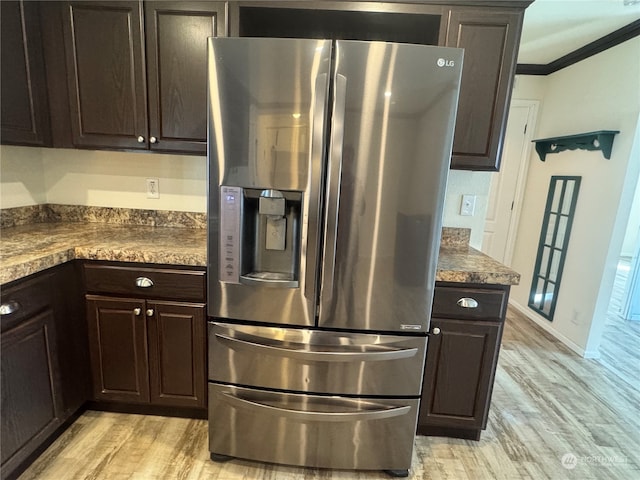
(533, 106)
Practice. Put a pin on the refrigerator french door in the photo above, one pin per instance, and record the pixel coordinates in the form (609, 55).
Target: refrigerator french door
(328, 163)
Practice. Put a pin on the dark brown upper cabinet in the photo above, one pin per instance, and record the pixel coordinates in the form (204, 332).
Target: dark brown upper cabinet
(104, 48)
(137, 73)
(490, 39)
(489, 36)
(176, 35)
(24, 106)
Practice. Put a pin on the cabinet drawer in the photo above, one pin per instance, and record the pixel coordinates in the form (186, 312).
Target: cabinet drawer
(481, 303)
(176, 284)
(24, 299)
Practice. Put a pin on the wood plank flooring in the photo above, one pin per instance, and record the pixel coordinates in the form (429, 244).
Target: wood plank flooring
(547, 403)
(620, 345)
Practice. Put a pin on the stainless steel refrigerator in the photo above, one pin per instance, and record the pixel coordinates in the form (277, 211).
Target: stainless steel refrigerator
(328, 164)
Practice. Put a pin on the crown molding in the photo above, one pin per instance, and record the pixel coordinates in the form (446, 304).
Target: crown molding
(604, 43)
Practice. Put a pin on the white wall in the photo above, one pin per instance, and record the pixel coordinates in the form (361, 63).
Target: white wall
(460, 183)
(101, 178)
(21, 177)
(30, 176)
(599, 93)
(529, 87)
(463, 182)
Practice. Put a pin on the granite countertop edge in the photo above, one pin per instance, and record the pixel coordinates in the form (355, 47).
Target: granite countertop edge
(28, 249)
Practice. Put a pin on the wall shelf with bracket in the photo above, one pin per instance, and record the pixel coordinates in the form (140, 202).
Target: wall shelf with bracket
(601, 140)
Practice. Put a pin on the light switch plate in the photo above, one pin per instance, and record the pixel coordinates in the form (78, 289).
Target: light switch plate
(468, 206)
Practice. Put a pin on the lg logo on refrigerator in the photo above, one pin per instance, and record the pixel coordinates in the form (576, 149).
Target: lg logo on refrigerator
(445, 63)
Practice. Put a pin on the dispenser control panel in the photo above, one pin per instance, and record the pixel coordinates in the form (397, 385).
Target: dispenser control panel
(230, 212)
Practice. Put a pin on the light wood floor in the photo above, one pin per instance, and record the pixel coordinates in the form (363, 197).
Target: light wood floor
(547, 402)
(620, 345)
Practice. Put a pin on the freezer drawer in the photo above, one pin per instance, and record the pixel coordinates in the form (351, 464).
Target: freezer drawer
(310, 430)
(316, 361)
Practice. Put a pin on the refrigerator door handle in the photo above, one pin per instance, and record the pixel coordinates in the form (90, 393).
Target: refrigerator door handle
(311, 236)
(382, 411)
(375, 352)
(333, 187)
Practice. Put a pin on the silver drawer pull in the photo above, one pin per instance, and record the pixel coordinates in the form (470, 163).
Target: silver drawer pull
(467, 302)
(315, 352)
(10, 307)
(435, 331)
(370, 410)
(144, 282)
(137, 311)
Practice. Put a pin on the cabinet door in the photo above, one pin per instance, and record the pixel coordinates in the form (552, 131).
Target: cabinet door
(31, 404)
(25, 114)
(177, 353)
(118, 349)
(458, 379)
(106, 76)
(176, 35)
(490, 40)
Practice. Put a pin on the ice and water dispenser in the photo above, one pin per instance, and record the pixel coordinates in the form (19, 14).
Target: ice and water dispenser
(260, 236)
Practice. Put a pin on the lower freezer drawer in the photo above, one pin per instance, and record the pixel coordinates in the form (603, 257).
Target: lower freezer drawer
(312, 430)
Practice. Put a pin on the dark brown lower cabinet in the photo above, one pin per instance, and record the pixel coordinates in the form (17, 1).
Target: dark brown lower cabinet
(71, 337)
(459, 374)
(146, 351)
(118, 346)
(462, 356)
(43, 362)
(31, 397)
(177, 354)
(140, 350)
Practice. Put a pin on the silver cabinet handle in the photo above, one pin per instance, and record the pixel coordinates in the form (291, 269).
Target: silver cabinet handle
(137, 311)
(150, 312)
(10, 307)
(371, 411)
(435, 331)
(467, 302)
(140, 139)
(144, 282)
(375, 352)
(153, 140)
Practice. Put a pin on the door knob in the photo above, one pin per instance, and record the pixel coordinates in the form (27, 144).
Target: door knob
(137, 311)
(435, 331)
(140, 139)
(150, 312)
(153, 139)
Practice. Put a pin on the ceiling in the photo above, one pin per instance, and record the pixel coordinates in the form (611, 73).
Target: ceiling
(554, 28)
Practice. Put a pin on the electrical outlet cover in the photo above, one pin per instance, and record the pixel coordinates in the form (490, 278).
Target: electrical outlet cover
(153, 188)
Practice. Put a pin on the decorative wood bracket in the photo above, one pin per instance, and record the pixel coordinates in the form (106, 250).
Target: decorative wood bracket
(600, 140)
